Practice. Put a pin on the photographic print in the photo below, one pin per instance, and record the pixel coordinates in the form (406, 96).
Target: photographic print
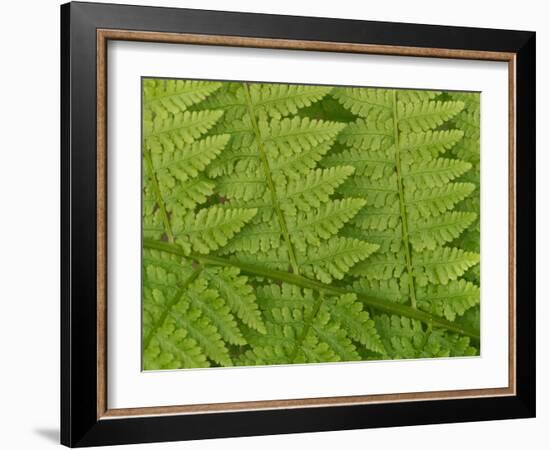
(293, 224)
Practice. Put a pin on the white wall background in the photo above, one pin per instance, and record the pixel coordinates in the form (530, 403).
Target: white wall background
(29, 226)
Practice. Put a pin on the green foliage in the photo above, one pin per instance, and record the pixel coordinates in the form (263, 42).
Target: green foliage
(420, 196)
(303, 327)
(304, 224)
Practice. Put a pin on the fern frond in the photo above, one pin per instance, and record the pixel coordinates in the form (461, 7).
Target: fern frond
(185, 196)
(415, 96)
(305, 328)
(378, 193)
(172, 96)
(188, 161)
(303, 224)
(374, 164)
(172, 348)
(437, 172)
(306, 228)
(378, 217)
(430, 202)
(450, 300)
(435, 231)
(281, 100)
(381, 267)
(442, 265)
(210, 228)
(374, 133)
(404, 338)
(429, 144)
(314, 190)
(426, 115)
(311, 227)
(298, 164)
(468, 150)
(216, 310)
(335, 258)
(363, 101)
(288, 136)
(178, 129)
(240, 296)
(394, 290)
(245, 186)
(358, 324)
(412, 192)
(176, 332)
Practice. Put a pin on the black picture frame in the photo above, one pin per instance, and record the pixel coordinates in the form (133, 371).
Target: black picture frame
(80, 425)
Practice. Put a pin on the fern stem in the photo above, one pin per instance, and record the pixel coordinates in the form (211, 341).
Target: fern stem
(160, 201)
(378, 304)
(269, 181)
(403, 209)
(158, 323)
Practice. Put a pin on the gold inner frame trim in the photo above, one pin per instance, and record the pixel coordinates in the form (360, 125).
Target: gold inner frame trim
(103, 36)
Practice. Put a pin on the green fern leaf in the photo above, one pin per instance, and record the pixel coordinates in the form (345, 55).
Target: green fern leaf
(177, 332)
(404, 338)
(374, 133)
(178, 129)
(431, 202)
(357, 322)
(441, 265)
(314, 190)
(335, 258)
(429, 144)
(451, 300)
(210, 228)
(304, 328)
(172, 96)
(363, 101)
(412, 193)
(305, 224)
(425, 115)
(238, 293)
(393, 290)
(280, 100)
(437, 172)
(468, 150)
(435, 231)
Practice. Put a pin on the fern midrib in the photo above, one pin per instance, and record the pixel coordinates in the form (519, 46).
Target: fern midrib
(299, 132)
(307, 326)
(158, 194)
(402, 207)
(441, 262)
(269, 180)
(379, 304)
(369, 132)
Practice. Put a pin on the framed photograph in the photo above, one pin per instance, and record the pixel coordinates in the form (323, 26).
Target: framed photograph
(277, 224)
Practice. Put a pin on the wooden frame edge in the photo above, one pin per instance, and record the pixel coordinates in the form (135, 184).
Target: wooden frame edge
(101, 224)
(512, 275)
(302, 403)
(103, 35)
(289, 44)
